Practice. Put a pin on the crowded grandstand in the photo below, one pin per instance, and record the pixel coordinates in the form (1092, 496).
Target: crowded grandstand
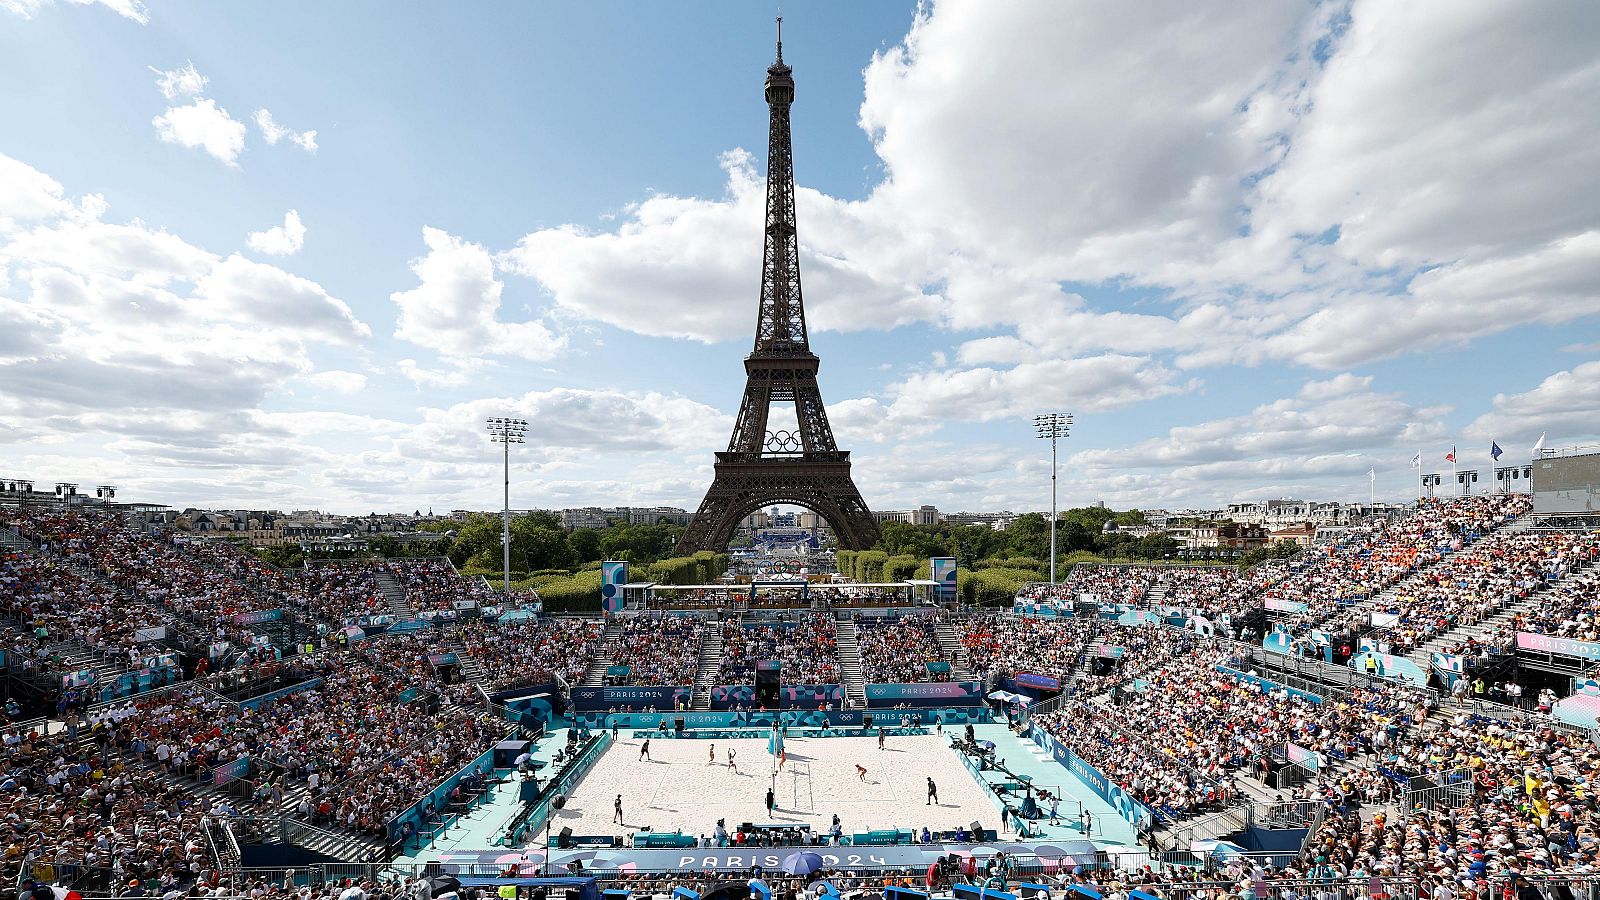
(173, 700)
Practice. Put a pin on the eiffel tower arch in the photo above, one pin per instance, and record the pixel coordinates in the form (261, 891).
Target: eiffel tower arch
(763, 465)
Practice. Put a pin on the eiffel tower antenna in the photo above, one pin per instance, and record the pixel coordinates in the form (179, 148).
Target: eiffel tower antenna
(761, 467)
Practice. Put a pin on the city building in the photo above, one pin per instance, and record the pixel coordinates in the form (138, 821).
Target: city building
(999, 521)
(922, 515)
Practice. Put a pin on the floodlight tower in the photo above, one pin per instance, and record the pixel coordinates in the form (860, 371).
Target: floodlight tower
(507, 432)
(1053, 426)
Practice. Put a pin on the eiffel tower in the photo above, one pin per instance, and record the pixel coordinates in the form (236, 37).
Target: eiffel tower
(763, 466)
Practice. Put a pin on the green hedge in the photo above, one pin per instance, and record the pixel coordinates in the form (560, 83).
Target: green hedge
(869, 566)
(705, 567)
(579, 592)
(992, 586)
(901, 568)
(845, 561)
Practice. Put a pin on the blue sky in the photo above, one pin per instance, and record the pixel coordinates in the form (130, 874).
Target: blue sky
(1255, 251)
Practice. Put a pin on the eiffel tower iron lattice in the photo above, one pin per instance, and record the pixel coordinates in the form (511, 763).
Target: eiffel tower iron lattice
(763, 466)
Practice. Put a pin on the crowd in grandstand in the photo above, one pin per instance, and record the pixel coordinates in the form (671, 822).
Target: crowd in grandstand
(1467, 587)
(531, 652)
(434, 585)
(50, 605)
(158, 569)
(421, 658)
(1007, 644)
(386, 724)
(659, 650)
(1175, 731)
(899, 652)
(67, 807)
(807, 650)
(1332, 583)
(1531, 807)
(339, 593)
(363, 752)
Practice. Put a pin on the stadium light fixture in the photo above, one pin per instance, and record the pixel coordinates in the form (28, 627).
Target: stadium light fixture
(65, 490)
(1053, 426)
(507, 432)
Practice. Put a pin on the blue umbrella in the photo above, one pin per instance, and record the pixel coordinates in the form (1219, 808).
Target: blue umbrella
(802, 863)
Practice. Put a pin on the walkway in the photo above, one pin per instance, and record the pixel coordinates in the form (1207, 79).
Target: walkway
(1024, 757)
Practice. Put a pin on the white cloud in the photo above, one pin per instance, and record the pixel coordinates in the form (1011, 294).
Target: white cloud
(119, 315)
(128, 9)
(27, 194)
(983, 394)
(1259, 184)
(1566, 405)
(1341, 415)
(457, 374)
(280, 240)
(203, 125)
(583, 421)
(179, 83)
(269, 297)
(690, 268)
(273, 132)
(339, 382)
(455, 310)
(865, 420)
(1042, 136)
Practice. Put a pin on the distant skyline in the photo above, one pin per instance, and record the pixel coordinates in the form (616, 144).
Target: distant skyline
(257, 255)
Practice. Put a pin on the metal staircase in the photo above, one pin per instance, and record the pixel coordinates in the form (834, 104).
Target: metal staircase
(595, 676)
(1385, 598)
(705, 677)
(394, 595)
(850, 670)
(78, 656)
(1156, 593)
(338, 844)
(954, 652)
(471, 670)
(11, 539)
(1505, 613)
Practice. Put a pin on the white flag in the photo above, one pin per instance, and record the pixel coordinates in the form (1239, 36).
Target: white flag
(1416, 461)
(1539, 447)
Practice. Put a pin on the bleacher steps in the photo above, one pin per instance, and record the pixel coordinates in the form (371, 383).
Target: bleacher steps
(1486, 626)
(394, 594)
(954, 652)
(705, 676)
(850, 670)
(596, 674)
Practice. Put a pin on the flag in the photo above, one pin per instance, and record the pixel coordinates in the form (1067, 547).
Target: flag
(1451, 456)
(1539, 447)
(1372, 471)
(1416, 461)
(1495, 451)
